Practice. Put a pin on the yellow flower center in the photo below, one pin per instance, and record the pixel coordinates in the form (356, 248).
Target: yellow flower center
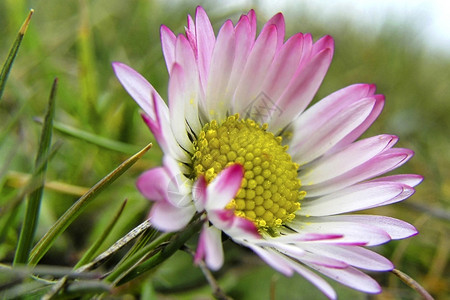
(269, 193)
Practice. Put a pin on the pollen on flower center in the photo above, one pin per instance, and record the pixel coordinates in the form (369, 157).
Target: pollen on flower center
(269, 193)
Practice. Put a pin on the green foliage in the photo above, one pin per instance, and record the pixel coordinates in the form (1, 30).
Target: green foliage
(100, 127)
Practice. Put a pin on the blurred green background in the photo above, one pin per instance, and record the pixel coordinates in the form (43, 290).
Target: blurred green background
(76, 41)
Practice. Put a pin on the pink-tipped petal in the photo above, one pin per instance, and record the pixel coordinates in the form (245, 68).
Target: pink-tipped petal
(361, 235)
(205, 43)
(357, 132)
(255, 70)
(346, 159)
(397, 229)
(380, 164)
(356, 256)
(210, 248)
(224, 187)
(316, 140)
(278, 21)
(409, 179)
(356, 197)
(168, 40)
(236, 227)
(222, 63)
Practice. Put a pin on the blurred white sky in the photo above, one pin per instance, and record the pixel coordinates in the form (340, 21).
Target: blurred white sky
(431, 19)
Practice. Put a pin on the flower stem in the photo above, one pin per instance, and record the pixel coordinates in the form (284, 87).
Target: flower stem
(412, 284)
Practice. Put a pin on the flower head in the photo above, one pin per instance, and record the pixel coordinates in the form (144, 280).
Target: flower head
(242, 147)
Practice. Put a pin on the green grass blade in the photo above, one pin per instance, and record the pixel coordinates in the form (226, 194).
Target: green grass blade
(13, 53)
(94, 139)
(132, 267)
(89, 255)
(34, 200)
(77, 208)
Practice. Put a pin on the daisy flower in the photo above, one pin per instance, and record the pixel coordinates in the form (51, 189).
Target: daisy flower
(243, 149)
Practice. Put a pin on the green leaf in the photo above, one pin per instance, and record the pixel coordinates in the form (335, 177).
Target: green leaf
(77, 208)
(30, 221)
(98, 243)
(13, 53)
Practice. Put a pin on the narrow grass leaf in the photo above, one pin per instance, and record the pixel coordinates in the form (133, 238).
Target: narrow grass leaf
(94, 139)
(13, 53)
(98, 243)
(34, 200)
(77, 208)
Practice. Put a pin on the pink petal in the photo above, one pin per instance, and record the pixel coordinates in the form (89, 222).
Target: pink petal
(350, 277)
(153, 184)
(236, 227)
(302, 89)
(210, 248)
(156, 109)
(280, 74)
(278, 21)
(353, 198)
(224, 187)
(169, 218)
(221, 67)
(244, 39)
(205, 43)
(255, 70)
(316, 139)
(329, 106)
(341, 162)
(168, 40)
(378, 107)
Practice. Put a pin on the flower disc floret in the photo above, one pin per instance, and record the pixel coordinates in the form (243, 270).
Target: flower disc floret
(269, 193)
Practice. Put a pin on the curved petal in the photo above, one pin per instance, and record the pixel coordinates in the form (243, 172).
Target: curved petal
(320, 136)
(168, 40)
(278, 21)
(361, 235)
(397, 229)
(341, 162)
(153, 184)
(350, 277)
(224, 187)
(178, 93)
(356, 256)
(210, 248)
(167, 217)
(356, 197)
(205, 43)
(222, 60)
(380, 164)
(255, 70)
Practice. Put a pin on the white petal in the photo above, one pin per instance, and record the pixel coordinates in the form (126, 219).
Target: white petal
(353, 255)
(350, 277)
(356, 197)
